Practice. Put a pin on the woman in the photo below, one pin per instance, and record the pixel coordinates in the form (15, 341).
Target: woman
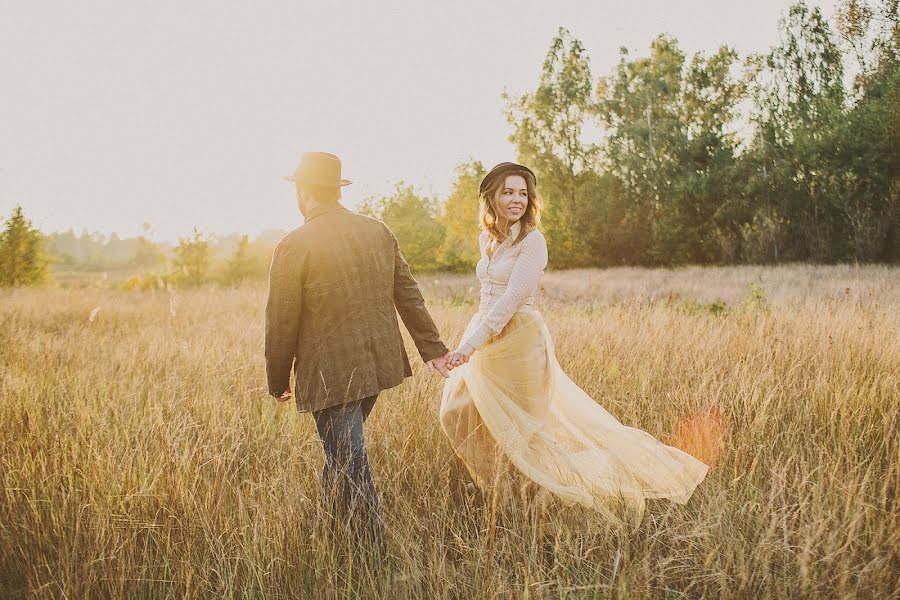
(508, 404)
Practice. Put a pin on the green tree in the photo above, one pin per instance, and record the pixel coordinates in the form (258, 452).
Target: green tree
(460, 219)
(705, 201)
(22, 258)
(146, 254)
(241, 265)
(864, 148)
(192, 259)
(548, 130)
(413, 219)
(668, 143)
(798, 98)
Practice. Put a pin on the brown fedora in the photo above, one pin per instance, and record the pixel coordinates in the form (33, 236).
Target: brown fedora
(319, 168)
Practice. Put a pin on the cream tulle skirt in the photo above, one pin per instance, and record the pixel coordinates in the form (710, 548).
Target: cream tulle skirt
(512, 405)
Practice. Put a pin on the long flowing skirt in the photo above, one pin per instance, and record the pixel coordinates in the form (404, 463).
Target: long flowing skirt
(512, 404)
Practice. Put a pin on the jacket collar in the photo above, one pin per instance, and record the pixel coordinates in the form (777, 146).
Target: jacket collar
(321, 209)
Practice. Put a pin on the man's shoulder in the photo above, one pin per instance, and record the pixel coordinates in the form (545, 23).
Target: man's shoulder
(366, 221)
(365, 227)
(343, 218)
(308, 232)
(290, 240)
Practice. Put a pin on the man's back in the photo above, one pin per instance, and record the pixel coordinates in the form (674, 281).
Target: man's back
(333, 288)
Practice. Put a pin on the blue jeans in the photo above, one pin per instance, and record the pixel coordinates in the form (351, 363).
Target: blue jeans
(348, 490)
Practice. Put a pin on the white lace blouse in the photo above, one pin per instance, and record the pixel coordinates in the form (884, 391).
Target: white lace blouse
(509, 280)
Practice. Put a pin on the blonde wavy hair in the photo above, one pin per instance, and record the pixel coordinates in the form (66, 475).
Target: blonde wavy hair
(531, 217)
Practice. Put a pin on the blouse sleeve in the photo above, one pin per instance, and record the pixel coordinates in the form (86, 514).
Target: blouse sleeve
(523, 282)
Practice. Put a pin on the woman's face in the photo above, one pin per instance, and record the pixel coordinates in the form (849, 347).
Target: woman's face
(513, 199)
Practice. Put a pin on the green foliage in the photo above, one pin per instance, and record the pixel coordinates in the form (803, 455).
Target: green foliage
(460, 219)
(548, 128)
(147, 281)
(95, 252)
(147, 254)
(22, 258)
(192, 260)
(798, 101)
(863, 151)
(756, 296)
(669, 146)
(693, 307)
(670, 181)
(413, 219)
(241, 266)
(668, 159)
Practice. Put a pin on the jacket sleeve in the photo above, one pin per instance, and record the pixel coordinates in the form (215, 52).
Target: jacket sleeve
(411, 307)
(282, 316)
(523, 281)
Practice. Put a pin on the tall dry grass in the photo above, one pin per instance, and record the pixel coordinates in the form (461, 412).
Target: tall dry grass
(141, 458)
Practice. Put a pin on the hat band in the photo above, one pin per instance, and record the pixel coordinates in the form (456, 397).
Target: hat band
(322, 181)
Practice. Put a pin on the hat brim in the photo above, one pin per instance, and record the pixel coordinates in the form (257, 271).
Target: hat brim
(292, 179)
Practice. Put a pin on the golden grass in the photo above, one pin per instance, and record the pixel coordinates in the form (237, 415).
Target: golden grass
(141, 458)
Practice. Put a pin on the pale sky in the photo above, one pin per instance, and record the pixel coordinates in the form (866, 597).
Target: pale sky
(186, 113)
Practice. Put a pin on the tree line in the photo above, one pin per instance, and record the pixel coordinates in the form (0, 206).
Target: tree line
(668, 159)
(706, 159)
(27, 255)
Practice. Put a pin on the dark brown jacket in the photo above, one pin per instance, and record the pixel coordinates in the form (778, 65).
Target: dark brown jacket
(334, 284)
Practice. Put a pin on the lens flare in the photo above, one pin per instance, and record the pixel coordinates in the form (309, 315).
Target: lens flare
(702, 435)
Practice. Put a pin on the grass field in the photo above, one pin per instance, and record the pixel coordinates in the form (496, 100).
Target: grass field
(141, 458)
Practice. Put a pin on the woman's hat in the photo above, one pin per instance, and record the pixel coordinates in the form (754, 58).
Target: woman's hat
(319, 168)
(504, 167)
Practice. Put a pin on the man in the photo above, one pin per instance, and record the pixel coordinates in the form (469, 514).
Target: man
(336, 285)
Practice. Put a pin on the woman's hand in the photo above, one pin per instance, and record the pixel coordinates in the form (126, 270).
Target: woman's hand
(461, 356)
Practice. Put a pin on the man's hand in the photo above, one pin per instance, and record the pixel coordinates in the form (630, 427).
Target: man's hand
(440, 365)
(285, 396)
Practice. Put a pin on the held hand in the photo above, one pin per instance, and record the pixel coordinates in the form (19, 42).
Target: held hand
(461, 356)
(440, 365)
(285, 396)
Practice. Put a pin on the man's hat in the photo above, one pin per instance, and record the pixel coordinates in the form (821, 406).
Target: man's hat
(319, 168)
(500, 169)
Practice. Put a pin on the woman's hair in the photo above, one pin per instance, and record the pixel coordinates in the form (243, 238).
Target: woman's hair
(531, 217)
